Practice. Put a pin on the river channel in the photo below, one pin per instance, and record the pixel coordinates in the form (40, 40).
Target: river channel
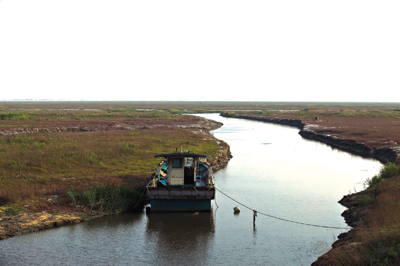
(273, 170)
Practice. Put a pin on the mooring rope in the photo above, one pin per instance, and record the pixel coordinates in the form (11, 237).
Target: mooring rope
(137, 203)
(282, 219)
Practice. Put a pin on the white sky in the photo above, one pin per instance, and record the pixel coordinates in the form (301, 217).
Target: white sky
(281, 50)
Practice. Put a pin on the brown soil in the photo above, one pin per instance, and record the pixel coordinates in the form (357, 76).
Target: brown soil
(371, 131)
(32, 222)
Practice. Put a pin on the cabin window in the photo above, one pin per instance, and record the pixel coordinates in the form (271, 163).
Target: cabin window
(188, 162)
(177, 163)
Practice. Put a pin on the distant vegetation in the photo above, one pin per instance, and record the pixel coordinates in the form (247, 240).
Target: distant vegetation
(104, 163)
(375, 125)
(40, 163)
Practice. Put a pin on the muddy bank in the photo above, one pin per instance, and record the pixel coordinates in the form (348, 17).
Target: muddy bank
(32, 222)
(357, 210)
(353, 216)
(202, 123)
(308, 131)
(285, 122)
(384, 155)
(221, 159)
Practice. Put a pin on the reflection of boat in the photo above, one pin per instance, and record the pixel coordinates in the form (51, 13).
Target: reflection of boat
(176, 237)
(183, 182)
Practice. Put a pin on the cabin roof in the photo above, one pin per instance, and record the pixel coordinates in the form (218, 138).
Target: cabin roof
(180, 154)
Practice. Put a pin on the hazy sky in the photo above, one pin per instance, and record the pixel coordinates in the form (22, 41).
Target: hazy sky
(281, 50)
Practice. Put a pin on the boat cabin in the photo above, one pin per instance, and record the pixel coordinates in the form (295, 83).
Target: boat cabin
(181, 169)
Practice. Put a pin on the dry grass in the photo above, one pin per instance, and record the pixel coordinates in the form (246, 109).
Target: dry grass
(37, 164)
(205, 106)
(377, 241)
(101, 118)
(376, 126)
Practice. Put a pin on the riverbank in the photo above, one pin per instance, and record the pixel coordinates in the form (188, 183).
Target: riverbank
(374, 216)
(58, 211)
(382, 150)
(373, 212)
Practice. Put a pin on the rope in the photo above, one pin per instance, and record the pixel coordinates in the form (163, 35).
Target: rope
(137, 203)
(282, 219)
(215, 201)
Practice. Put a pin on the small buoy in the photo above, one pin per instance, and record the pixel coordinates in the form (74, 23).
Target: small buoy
(236, 209)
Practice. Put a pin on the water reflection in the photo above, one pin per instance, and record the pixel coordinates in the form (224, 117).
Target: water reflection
(179, 236)
(273, 170)
(114, 221)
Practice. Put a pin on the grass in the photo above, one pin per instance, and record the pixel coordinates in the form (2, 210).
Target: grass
(46, 117)
(107, 198)
(44, 163)
(378, 238)
(388, 171)
(11, 210)
(374, 125)
(100, 164)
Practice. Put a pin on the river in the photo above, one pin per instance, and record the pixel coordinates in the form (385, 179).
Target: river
(273, 170)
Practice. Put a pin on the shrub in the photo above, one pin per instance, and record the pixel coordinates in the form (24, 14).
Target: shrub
(109, 198)
(37, 144)
(14, 116)
(12, 210)
(367, 200)
(389, 170)
(91, 158)
(12, 165)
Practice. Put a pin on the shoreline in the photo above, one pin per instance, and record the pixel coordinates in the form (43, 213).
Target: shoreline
(33, 222)
(383, 155)
(355, 212)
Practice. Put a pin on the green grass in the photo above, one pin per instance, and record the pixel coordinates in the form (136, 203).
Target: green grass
(389, 170)
(46, 117)
(107, 198)
(11, 210)
(37, 164)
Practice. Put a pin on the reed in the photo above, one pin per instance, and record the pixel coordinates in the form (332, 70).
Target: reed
(107, 198)
(38, 164)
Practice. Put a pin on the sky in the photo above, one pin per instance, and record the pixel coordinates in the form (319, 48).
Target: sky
(219, 50)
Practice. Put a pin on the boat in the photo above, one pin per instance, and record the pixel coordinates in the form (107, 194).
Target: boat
(182, 182)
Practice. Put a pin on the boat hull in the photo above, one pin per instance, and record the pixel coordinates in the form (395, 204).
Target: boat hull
(180, 199)
(168, 205)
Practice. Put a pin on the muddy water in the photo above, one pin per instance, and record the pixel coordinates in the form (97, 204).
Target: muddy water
(273, 170)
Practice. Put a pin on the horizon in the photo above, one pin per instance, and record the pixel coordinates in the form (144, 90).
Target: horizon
(286, 51)
(208, 101)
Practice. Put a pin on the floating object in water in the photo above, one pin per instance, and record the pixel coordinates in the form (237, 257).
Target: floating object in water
(236, 210)
(148, 209)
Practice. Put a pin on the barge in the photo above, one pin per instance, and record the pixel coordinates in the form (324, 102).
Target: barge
(182, 182)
